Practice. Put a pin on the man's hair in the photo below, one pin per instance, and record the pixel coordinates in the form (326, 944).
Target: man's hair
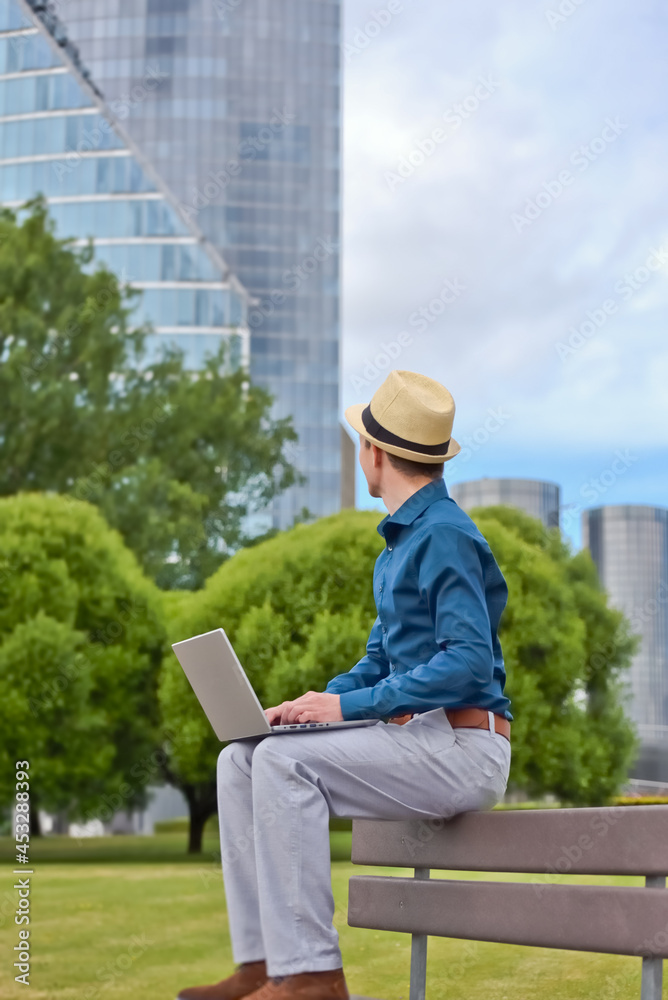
(412, 469)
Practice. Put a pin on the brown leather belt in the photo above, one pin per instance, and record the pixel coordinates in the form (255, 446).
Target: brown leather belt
(469, 718)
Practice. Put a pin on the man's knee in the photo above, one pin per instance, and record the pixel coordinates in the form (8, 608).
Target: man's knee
(275, 756)
(225, 754)
(266, 748)
(235, 754)
(287, 747)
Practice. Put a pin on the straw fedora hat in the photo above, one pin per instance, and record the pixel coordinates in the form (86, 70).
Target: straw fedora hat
(410, 415)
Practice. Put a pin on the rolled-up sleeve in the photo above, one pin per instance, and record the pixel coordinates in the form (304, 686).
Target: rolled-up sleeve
(369, 670)
(450, 580)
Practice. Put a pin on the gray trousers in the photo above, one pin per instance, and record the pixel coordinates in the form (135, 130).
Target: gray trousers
(277, 793)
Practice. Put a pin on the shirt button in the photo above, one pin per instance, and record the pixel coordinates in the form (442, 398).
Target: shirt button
(389, 547)
(384, 628)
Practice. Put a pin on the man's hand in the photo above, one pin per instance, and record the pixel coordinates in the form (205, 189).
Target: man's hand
(314, 706)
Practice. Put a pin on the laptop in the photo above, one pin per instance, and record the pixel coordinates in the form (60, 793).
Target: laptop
(226, 695)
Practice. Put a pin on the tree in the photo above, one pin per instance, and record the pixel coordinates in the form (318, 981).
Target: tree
(299, 608)
(81, 641)
(174, 459)
(571, 736)
(271, 599)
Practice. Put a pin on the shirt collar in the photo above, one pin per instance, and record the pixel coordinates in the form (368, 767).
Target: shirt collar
(416, 504)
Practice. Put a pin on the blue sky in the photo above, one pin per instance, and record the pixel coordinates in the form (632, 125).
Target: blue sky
(519, 152)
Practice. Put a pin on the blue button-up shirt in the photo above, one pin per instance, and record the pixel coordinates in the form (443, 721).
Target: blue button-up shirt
(439, 595)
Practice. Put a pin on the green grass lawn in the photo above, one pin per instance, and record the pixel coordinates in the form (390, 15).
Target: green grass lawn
(163, 847)
(111, 928)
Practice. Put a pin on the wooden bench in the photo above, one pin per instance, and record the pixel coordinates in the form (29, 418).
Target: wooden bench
(545, 912)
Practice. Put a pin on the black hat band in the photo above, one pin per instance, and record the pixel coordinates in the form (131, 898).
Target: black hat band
(387, 437)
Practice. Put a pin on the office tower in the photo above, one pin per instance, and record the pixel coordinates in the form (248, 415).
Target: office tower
(629, 545)
(235, 106)
(56, 139)
(535, 497)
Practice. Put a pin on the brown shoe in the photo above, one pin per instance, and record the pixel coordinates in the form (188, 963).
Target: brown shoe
(247, 978)
(329, 985)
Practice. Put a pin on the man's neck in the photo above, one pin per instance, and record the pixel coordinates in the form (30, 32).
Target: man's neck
(398, 492)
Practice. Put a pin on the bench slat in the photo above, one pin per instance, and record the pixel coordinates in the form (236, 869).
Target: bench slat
(614, 840)
(625, 921)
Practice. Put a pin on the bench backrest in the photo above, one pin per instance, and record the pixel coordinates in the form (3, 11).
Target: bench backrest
(625, 840)
(614, 840)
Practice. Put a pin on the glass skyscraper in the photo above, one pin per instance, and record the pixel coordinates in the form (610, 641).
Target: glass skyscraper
(55, 139)
(629, 545)
(533, 496)
(228, 115)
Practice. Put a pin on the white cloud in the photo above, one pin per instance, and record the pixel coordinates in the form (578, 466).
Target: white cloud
(452, 217)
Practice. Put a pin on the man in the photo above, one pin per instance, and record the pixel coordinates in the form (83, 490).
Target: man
(433, 662)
